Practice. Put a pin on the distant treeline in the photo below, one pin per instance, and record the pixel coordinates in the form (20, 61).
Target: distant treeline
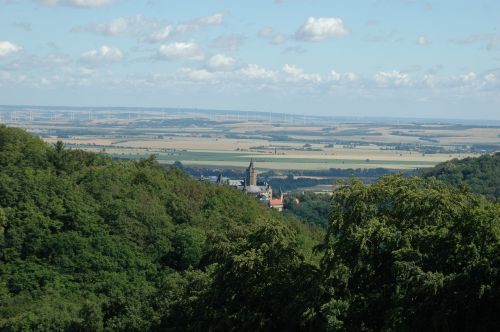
(293, 184)
(295, 179)
(339, 172)
(481, 175)
(198, 172)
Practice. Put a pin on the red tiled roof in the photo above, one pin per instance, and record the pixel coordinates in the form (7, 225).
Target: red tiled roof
(277, 201)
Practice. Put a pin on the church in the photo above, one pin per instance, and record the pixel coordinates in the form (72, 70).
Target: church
(261, 190)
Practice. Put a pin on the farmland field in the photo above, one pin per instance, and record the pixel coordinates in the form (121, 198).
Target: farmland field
(275, 141)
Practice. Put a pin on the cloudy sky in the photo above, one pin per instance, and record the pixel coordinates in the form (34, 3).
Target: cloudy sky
(405, 58)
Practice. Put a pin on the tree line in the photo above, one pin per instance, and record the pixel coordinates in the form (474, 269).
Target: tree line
(481, 174)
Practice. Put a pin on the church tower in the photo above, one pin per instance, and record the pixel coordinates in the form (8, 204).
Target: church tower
(251, 176)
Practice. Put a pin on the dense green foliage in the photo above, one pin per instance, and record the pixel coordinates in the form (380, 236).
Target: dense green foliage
(482, 174)
(303, 179)
(295, 179)
(88, 243)
(408, 254)
(310, 207)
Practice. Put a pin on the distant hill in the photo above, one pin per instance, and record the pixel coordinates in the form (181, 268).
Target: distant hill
(481, 174)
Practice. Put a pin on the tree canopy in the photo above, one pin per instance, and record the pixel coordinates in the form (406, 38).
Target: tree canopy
(310, 207)
(408, 254)
(481, 174)
(88, 243)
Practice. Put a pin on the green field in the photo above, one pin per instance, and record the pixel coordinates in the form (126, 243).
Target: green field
(241, 159)
(203, 140)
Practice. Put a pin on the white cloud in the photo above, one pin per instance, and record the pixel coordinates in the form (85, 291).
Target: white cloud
(469, 77)
(129, 26)
(292, 70)
(470, 81)
(297, 74)
(490, 78)
(150, 30)
(318, 29)
(77, 3)
(334, 76)
(29, 63)
(254, 71)
(351, 77)
(7, 48)
(430, 80)
(162, 34)
(113, 28)
(221, 62)
(421, 40)
(104, 54)
(272, 36)
(394, 78)
(215, 19)
(199, 23)
(191, 74)
(180, 51)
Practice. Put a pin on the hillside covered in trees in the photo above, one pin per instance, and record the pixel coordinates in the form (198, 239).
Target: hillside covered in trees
(88, 240)
(88, 243)
(312, 208)
(481, 174)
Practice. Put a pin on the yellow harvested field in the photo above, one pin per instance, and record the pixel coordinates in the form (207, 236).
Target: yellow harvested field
(300, 166)
(289, 142)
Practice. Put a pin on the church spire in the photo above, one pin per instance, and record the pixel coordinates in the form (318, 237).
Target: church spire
(251, 176)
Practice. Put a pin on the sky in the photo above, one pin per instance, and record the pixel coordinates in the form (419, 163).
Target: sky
(397, 58)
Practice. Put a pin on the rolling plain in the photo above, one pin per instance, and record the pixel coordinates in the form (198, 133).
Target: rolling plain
(223, 139)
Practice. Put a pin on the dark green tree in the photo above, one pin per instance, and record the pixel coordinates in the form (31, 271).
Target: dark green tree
(91, 243)
(263, 283)
(481, 174)
(412, 254)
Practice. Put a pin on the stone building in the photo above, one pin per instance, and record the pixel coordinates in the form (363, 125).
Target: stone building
(251, 175)
(261, 190)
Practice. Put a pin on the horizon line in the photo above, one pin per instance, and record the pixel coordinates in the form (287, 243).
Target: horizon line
(171, 108)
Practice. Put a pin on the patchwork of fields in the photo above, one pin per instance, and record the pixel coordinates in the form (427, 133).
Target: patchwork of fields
(361, 158)
(275, 141)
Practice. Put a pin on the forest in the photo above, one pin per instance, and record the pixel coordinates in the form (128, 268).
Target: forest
(88, 243)
(481, 174)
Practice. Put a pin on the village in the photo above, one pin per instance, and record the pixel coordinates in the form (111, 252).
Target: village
(250, 185)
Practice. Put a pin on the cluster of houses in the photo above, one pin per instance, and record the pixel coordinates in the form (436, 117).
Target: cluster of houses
(261, 190)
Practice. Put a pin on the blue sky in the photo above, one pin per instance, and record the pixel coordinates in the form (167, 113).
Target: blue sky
(404, 58)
